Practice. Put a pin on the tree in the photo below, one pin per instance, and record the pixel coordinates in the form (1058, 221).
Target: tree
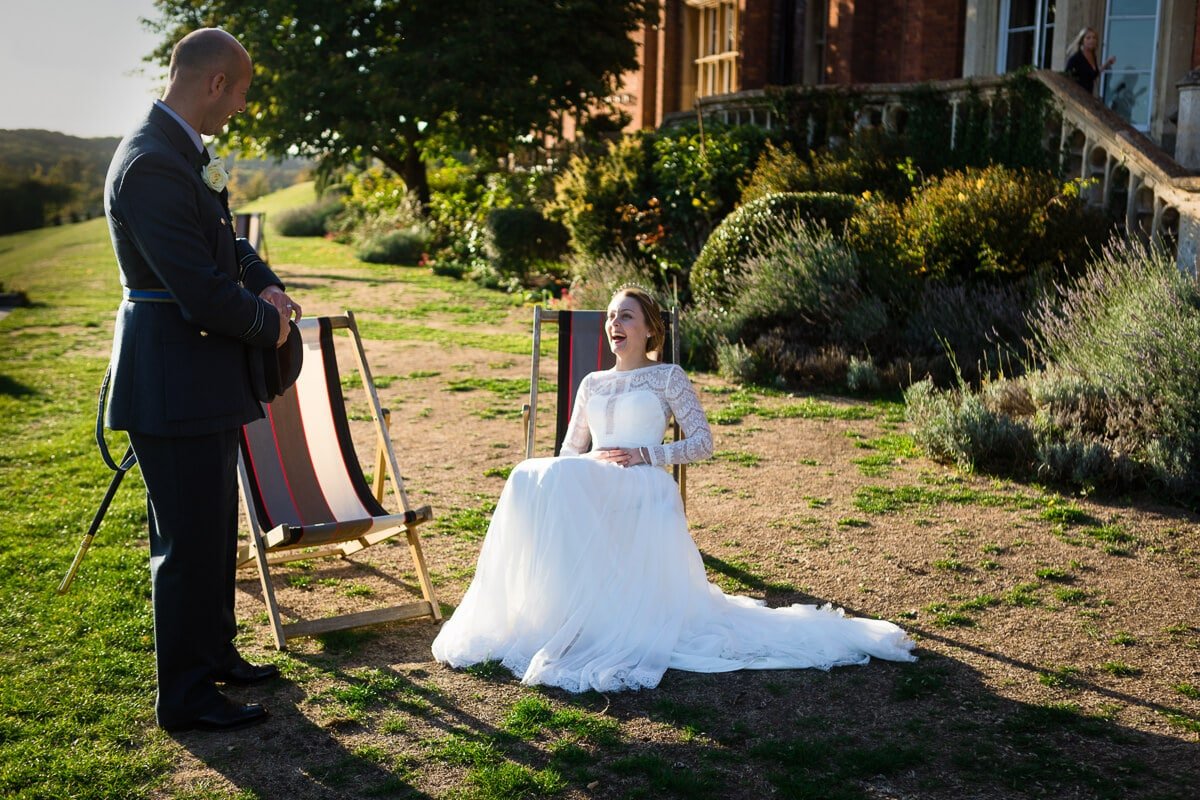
(398, 79)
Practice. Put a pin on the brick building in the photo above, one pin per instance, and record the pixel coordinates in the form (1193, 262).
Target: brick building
(700, 48)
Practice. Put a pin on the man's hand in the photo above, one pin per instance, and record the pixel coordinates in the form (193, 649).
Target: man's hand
(285, 306)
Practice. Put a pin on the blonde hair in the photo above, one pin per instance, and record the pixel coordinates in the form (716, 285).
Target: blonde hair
(652, 314)
(1077, 43)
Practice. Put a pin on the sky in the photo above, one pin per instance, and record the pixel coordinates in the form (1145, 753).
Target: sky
(76, 66)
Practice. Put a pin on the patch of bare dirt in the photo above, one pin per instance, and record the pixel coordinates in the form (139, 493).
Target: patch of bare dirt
(1048, 623)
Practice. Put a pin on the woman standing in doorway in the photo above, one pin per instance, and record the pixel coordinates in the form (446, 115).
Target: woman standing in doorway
(1082, 60)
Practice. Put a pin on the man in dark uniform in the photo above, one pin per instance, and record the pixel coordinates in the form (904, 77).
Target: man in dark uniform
(198, 305)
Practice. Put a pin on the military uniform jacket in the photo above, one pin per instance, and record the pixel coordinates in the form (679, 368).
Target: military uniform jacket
(181, 368)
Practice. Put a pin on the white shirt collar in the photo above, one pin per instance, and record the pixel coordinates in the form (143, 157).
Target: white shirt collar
(191, 132)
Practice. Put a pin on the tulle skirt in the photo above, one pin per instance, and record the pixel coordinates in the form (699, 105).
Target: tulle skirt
(589, 579)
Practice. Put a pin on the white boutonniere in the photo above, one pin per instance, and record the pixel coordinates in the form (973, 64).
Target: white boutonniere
(214, 174)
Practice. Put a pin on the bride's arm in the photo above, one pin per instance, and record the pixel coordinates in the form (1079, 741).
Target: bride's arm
(579, 437)
(697, 443)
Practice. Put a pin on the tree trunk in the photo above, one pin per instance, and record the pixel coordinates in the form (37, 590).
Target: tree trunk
(411, 170)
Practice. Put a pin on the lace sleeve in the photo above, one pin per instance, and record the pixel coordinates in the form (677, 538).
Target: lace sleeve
(579, 436)
(697, 443)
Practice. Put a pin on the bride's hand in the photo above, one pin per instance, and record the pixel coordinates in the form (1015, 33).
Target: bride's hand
(622, 456)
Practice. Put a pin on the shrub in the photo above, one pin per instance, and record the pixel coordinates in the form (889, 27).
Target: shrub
(880, 238)
(655, 196)
(697, 179)
(517, 239)
(395, 247)
(597, 278)
(862, 376)
(1000, 221)
(740, 364)
(313, 219)
(1129, 333)
(1113, 409)
(594, 189)
(980, 330)
(796, 298)
(779, 169)
(742, 235)
(958, 426)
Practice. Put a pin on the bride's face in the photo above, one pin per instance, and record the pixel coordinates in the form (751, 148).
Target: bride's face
(626, 328)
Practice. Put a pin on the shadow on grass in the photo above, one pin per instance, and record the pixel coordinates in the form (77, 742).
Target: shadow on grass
(291, 756)
(14, 388)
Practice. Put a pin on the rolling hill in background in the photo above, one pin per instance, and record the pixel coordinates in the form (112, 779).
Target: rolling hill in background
(48, 178)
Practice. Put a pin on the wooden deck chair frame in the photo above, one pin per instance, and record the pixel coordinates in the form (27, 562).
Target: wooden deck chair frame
(579, 333)
(253, 226)
(276, 534)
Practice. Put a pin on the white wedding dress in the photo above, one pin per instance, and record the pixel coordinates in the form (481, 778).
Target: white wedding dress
(588, 578)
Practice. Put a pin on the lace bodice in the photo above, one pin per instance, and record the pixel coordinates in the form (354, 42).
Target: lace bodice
(631, 409)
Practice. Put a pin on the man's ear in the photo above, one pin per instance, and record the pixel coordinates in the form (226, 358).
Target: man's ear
(216, 84)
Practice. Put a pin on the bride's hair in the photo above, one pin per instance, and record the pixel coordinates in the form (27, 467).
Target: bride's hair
(653, 315)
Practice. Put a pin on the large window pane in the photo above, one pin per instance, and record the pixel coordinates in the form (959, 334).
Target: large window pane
(1048, 47)
(1123, 8)
(1132, 42)
(1128, 94)
(1022, 14)
(1020, 50)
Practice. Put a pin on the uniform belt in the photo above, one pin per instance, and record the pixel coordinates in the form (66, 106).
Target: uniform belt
(148, 296)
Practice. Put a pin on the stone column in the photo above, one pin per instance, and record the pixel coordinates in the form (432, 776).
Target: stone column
(1187, 140)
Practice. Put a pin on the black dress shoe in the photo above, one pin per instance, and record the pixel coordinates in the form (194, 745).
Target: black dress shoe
(246, 674)
(224, 716)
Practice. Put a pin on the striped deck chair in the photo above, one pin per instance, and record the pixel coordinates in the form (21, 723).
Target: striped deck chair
(305, 493)
(252, 226)
(583, 348)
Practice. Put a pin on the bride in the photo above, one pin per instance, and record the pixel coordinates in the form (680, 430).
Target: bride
(588, 578)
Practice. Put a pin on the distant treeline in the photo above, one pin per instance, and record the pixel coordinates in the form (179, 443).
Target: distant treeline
(50, 178)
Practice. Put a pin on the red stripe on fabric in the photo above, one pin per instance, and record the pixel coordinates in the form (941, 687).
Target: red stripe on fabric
(600, 348)
(283, 466)
(264, 513)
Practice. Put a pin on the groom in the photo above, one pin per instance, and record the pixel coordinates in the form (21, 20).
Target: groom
(198, 305)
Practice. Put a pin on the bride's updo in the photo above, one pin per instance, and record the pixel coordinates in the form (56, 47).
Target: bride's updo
(652, 314)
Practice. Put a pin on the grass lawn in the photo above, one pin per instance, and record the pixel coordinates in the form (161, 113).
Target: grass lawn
(1058, 641)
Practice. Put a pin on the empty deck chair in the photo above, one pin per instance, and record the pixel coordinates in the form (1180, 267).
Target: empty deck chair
(252, 226)
(305, 493)
(583, 348)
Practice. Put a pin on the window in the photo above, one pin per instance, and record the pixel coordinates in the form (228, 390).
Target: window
(1130, 34)
(1026, 34)
(716, 65)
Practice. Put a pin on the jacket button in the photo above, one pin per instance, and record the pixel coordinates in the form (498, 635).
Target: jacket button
(204, 333)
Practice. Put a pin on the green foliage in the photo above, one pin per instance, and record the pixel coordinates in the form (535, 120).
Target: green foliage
(396, 247)
(999, 221)
(697, 179)
(869, 162)
(797, 294)
(594, 192)
(332, 80)
(50, 178)
(517, 240)
(465, 198)
(654, 198)
(959, 427)
(313, 219)
(752, 229)
(1009, 129)
(1113, 409)
(1124, 347)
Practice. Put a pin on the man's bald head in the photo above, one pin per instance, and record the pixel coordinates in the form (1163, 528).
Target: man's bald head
(210, 74)
(206, 52)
